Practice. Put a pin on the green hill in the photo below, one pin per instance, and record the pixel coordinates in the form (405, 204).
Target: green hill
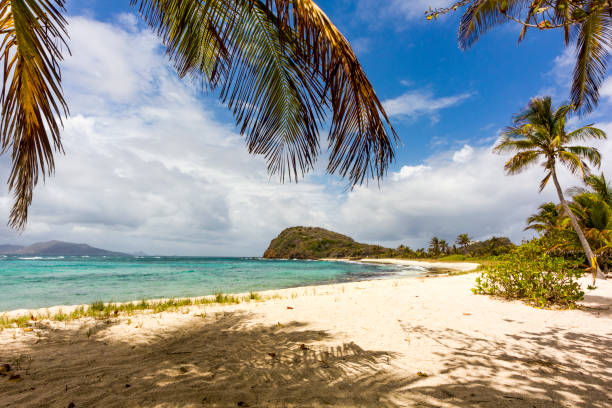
(317, 243)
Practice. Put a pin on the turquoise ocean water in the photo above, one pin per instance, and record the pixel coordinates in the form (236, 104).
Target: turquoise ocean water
(36, 282)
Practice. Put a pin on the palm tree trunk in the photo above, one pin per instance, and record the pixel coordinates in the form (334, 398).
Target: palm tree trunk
(585, 244)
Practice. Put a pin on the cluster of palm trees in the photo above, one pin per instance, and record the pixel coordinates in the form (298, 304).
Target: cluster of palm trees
(439, 246)
(538, 136)
(591, 205)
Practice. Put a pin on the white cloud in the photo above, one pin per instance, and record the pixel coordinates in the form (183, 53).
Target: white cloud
(463, 155)
(109, 65)
(407, 172)
(605, 91)
(415, 103)
(447, 197)
(563, 66)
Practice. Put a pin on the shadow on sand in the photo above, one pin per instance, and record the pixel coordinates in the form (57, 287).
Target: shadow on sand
(220, 362)
(549, 368)
(227, 362)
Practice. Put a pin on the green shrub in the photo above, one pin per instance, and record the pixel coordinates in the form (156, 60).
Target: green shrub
(529, 273)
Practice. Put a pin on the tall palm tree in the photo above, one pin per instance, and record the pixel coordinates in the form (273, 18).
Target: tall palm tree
(538, 135)
(434, 246)
(463, 240)
(589, 20)
(547, 218)
(444, 248)
(279, 65)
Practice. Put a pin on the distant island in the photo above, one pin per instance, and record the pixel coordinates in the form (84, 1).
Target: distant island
(57, 248)
(317, 243)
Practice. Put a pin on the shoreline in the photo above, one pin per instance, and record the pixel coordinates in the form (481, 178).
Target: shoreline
(436, 268)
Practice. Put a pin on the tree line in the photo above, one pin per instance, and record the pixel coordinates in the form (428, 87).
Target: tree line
(463, 247)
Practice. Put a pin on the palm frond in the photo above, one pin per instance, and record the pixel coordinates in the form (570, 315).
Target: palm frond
(194, 33)
(563, 16)
(547, 218)
(508, 143)
(279, 64)
(237, 46)
(361, 137)
(521, 161)
(32, 100)
(585, 133)
(560, 118)
(600, 186)
(573, 163)
(587, 153)
(537, 112)
(592, 46)
(481, 16)
(544, 181)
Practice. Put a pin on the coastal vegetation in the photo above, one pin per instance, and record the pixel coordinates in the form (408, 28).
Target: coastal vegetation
(279, 66)
(545, 270)
(537, 135)
(102, 311)
(531, 273)
(591, 205)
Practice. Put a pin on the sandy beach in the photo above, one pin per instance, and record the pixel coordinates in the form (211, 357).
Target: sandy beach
(425, 342)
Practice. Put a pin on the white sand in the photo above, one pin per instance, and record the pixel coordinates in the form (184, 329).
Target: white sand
(365, 344)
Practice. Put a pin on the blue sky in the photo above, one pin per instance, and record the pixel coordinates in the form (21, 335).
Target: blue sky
(152, 164)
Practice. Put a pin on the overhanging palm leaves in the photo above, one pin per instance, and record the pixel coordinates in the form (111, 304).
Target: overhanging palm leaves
(32, 101)
(538, 135)
(590, 21)
(278, 64)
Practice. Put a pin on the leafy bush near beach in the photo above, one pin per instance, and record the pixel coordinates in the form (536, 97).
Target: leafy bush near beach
(494, 246)
(531, 274)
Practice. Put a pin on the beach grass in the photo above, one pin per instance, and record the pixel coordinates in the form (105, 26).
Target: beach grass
(106, 310)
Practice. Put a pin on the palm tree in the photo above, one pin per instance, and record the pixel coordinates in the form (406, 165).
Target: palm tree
(539, 134)
(547, 218)
(463, 240)
(593, 209)
(434, 246)
(444, 248)
(589, 20)
(597, 185)
(278, 65)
